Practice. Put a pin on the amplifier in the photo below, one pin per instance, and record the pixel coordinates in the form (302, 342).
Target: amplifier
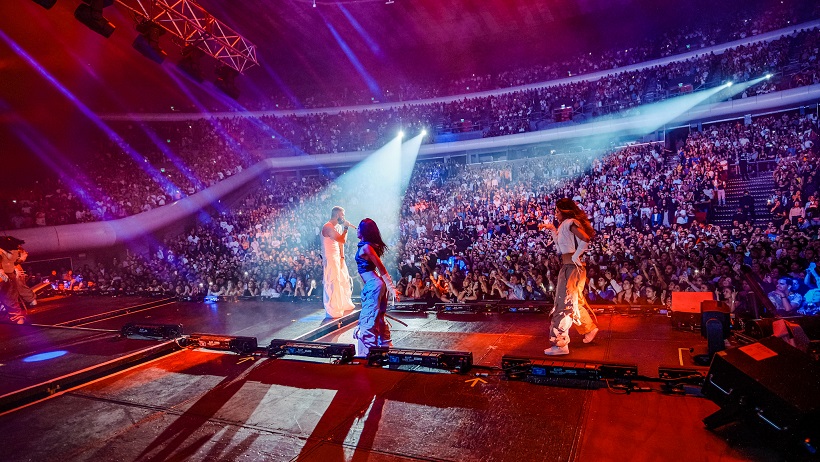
(147, 329)
(689, 302)
(770, 381)
(460, 361)
(760, 328)
(686, 309)
(536, 369)
(524, 306)
(417, 305)
(560, 369)
(280, 347)
(466, 307)
(677, 372)
(242, 345)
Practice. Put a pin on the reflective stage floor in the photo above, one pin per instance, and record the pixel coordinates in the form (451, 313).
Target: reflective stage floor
(192, 404)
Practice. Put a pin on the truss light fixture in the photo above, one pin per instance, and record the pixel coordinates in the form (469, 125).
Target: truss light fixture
(190, 62)
(147, 43)
(226, 81)
(47, 4)
(90, 13)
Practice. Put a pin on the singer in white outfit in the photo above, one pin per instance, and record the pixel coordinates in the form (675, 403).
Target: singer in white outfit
(571, 239)
(338, 290)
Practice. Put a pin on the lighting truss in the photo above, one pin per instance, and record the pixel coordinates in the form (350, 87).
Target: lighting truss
(190, 23)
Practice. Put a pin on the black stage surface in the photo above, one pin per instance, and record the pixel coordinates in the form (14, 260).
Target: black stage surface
(204, 405)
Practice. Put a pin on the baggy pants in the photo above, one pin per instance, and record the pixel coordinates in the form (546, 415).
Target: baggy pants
(10, 298)
(373, 329)
(570, 305)
(24, 290)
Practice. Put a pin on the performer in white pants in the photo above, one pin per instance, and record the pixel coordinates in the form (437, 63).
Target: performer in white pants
(571, 239)
(338, 290)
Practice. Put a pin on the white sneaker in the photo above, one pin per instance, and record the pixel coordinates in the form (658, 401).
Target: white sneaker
(556, 350)
(590, 336)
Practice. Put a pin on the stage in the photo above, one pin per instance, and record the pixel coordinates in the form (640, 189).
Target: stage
(156, 400)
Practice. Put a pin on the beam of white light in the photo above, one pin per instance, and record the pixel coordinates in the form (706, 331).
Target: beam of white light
(738, 88)
(654, 116)
(375, 187)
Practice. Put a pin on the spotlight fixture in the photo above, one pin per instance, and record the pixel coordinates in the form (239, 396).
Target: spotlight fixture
(189, 63)
(226, 81)
(768, 76)
(314, 3)
(729, 84)
(90, 13)
(147, 43)
(423, 132)
(401, 134)
(47, 4)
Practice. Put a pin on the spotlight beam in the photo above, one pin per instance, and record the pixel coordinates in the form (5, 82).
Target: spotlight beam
(167, 186)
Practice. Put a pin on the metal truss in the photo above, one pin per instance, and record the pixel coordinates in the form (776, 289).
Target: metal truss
(189, 22)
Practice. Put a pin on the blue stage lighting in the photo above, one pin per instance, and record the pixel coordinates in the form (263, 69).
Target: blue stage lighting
(44, 356)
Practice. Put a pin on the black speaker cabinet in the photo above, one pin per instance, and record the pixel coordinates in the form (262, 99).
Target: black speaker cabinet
(769, 381)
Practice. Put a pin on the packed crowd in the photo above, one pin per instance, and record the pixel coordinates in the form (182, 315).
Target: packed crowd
(680, 37)
(177, 159)
(470, 231)
(534, 109)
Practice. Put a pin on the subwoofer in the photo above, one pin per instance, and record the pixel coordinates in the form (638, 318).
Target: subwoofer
(769, 381)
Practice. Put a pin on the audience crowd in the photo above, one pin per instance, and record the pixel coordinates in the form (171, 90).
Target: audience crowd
(679, 37)
(177, 159)
(470, 231)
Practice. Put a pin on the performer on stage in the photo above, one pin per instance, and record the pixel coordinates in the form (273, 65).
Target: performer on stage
(28, 295)
(571, 239)
(373, 329)
(337, 283)
(9, 289)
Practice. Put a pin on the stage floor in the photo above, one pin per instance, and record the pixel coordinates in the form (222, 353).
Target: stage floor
(204, 405)
(647, 341)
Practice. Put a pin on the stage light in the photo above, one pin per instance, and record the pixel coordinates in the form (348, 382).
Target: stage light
(729, 84)
(151, 330)
(401, 134)
(189, 64)
(226, 81)
(768, 76)
(147, 43)
(90, 13)
(241, 345)
(44, 356)
(423, 132)
(47, 4)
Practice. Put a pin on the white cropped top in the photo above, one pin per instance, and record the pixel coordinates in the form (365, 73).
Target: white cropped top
(564, 240)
